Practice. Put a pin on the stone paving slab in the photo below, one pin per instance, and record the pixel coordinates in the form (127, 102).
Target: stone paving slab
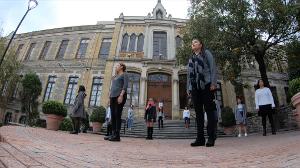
(36, 147)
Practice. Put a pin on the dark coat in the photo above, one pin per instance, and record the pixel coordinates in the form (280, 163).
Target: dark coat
(78, 108)
(150, 114)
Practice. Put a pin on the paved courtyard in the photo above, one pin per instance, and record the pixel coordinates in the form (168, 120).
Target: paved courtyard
(36, 148)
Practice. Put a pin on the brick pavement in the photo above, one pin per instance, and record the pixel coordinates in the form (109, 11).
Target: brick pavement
(36, 147)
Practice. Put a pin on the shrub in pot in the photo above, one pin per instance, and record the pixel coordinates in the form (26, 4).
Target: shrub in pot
(97, 118)
(55, 112)
(66, 125)
(294, 89)
(228, 120)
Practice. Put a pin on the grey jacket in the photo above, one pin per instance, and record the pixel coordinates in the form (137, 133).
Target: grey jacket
(78, 108)
(119, 83)
(201, 71)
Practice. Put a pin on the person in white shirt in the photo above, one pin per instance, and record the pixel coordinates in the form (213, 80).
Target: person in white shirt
(265, 104)
(186, 116)
(160, 114)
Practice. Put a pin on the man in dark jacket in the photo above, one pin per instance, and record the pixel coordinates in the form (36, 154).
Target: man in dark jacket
(201, 84)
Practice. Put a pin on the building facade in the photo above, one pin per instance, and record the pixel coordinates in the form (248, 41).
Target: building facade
(65, 58)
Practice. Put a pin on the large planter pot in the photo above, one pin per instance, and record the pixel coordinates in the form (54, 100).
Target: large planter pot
(229, 130)
(53, 121)
(296, 103)
(96, 126)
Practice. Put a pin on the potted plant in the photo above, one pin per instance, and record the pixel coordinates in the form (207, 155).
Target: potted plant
(228, 120)
(98, 118)
(294, 89)
(55, 112)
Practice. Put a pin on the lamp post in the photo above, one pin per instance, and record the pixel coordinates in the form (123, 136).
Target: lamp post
(31, 5)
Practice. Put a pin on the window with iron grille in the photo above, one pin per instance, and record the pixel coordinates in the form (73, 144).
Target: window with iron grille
(82, 48)
(49, 89)
(96, 91)
(71, 90)
(62, 49)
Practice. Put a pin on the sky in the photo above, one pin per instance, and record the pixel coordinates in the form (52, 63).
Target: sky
(63, 13)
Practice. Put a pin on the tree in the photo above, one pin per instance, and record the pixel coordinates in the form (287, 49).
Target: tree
(234, 29)
(32, 88)
(293, 52)
(9, 73)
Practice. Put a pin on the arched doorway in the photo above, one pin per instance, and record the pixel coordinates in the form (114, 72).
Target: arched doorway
(160, 88)
(8, 118)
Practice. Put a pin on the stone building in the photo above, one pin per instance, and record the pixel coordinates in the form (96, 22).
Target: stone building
(65, 58)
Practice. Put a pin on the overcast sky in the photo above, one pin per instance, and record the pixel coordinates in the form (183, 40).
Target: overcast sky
(61, 13)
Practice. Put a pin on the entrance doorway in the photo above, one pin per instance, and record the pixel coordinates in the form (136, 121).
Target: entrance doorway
(160, 88)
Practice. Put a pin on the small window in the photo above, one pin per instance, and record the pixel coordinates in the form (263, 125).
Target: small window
(105, 47)
(49, 89)
(96, 92)
(140, 43)
(30, 51)
(82, 48)
(71, 90)
(132, 43)
(45, 50)
(62, 49)
(124, 43)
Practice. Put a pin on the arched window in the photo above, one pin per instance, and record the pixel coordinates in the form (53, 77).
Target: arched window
(132, 43)
(124, 43)
(140, 43)
(178, 42)
(159, 14)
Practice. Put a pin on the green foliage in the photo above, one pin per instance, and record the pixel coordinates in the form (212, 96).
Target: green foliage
(66, 125)
(54, 107)
(228, 118)
(32, 88)
(294, 86)
(8, 72)
(98, 115)
(237, 29)
(1, 124)
(293, 52)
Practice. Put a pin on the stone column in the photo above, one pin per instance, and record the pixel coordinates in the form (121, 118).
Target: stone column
(175, 96)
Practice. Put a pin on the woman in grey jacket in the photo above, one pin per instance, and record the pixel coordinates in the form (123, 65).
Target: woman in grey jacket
(241, 116)
(78, 112)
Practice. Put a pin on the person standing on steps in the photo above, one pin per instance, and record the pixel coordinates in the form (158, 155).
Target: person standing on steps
(78, 112)
(130, 117)
(118, 96)
(186, 116)
(265, 105)
(150, 117)
(201, 85)
(241, 117)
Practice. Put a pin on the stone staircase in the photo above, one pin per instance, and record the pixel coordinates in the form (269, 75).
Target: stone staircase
(173, 129)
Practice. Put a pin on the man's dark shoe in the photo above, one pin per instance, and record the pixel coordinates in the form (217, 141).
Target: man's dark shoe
(210, 143)
(114, 139)
(107, 137)
(198, 143)
(74, 132)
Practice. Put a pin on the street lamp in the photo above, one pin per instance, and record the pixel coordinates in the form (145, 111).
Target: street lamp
(31, 5)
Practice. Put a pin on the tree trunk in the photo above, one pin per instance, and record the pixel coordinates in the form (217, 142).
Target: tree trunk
(262, 67)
